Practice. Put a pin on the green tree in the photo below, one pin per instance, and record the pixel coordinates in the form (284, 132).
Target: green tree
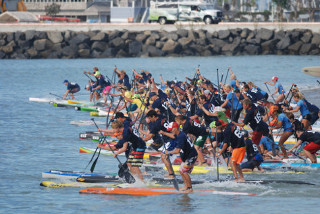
(281, 5)
(52, 9)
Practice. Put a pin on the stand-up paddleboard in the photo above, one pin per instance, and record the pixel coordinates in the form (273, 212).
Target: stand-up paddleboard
(313, 71)
(155, 191)
(52, 184)
(60, 174)
(98, 179)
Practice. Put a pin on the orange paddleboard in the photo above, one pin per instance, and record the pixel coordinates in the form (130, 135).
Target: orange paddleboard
(154, 191)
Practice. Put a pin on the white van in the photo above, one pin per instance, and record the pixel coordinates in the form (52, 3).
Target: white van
(170, 12)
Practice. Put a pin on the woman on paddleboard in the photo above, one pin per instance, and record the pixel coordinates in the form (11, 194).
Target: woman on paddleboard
(279, 89)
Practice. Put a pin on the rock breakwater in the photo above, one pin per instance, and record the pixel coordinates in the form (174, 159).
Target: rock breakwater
(100, 44)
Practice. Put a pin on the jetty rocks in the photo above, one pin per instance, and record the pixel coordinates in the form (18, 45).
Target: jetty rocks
(100, 44)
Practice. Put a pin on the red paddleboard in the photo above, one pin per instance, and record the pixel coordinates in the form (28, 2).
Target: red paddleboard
(155, 191)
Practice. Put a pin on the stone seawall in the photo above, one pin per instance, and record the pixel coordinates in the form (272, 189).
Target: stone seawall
(103, 44)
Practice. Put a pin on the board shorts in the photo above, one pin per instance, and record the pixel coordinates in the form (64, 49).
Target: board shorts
(187, 165)
(238, 155)
(307, 117)
(314, 117)
(254, 162)
(256, 137)
(132, 107)
(74, 90)
(169, 146)
(136, 157)
(312, 147)
(250, 164)
(106, 90)
(201, 140)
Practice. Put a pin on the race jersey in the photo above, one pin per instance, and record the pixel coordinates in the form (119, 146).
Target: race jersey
(187, 149)
(223, 116)
(165, 111)
(191, 107)
(303, 107)
(310, 137)
(261, 91)
(268, 143)
(280, 88)
(252, 150)
(233, 136)
(286, 124)
(194, 128)
(126, 82)
(207, 119)
(234, 102)
(253, 118)
(154, 127)
(72, 85)
(252, 96)
(257, 93)
(132, 136)
(102, 82)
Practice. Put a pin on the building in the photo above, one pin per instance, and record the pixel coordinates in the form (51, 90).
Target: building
(85, 10)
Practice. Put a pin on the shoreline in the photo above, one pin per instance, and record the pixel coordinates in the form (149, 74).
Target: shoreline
(138, 27)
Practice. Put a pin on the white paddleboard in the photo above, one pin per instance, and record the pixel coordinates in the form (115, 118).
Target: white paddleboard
(313, 71)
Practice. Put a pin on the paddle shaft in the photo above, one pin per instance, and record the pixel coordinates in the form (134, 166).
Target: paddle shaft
(270, 92)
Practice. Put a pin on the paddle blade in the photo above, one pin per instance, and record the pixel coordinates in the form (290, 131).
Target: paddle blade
(175, 182)
(94, 164)
(125, 173)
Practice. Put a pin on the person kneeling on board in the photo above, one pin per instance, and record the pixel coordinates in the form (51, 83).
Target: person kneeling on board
(187, 152)
(135, 159)
(72, 88)
(313, 143)
(253, 156)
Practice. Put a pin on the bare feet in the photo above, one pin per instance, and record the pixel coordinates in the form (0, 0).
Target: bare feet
(242, 180)
(186, 190)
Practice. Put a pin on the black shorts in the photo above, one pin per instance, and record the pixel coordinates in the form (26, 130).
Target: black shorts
(307, 117)
(250, 164)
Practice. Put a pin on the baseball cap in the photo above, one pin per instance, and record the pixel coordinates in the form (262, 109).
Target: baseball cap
(172, 125)
(273, 109)
(65, 81)
(274, 78)
(217, 123)
(117, 134)
(97, 73)
(119, 115)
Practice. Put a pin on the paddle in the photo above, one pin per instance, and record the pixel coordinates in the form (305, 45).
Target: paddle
(175, 182)
(56, 95)
(225, 80)
(270, 92)
(125, 171)
(318, 82)
(108, 123)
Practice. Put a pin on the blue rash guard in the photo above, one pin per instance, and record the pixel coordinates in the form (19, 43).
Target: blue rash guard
(233, 99)
(280, 88)
(303, 107)
(187, 149)
(286, 124)
(233, 83)
(267, 143)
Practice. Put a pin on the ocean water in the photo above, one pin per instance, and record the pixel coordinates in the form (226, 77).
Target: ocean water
(37, 137)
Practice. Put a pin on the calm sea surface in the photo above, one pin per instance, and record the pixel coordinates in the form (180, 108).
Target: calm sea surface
(37, 137)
